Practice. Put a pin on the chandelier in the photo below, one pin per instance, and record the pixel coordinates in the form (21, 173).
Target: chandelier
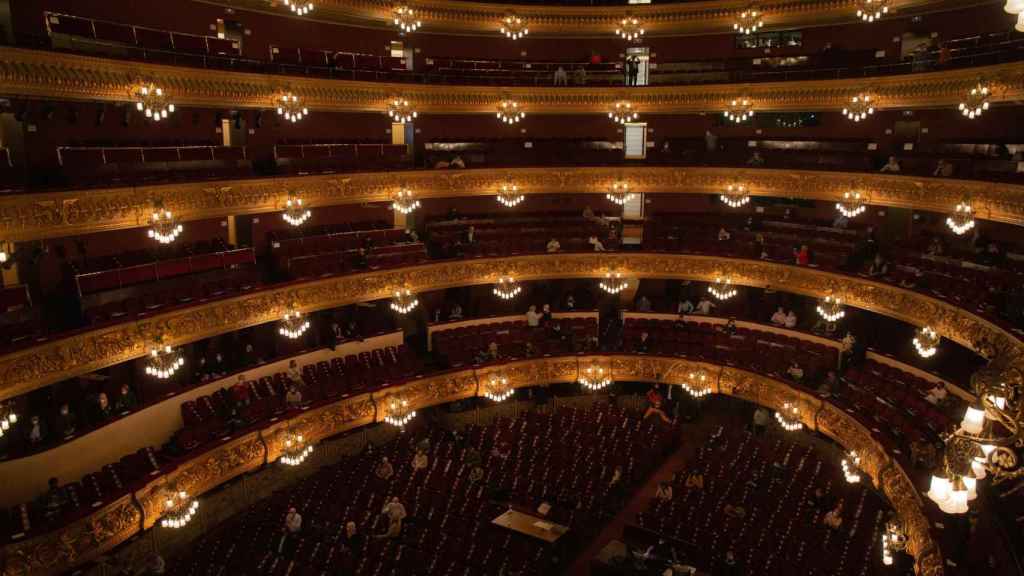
(594, 378)
(831, 308)
(151, 100)
(977, 101)
(789, 417)
(405, 19)
(299, 8)
(619, 193)
(852, 205)
(988, 440)
(295, 450)
(623, 112)
(961, 220)
(163, 228)
(748, 21)
(740, 110)
(288, 106)
(509, 195)
(861, 106)
(514, 27)
(871, 10)
(630, 29)
(507, 288)
(401, 111)
(893, 540)
(926, 342)
(722, 289)
(851, 467)
(735, 196)
(6, 251)
(398, 412)
(696, 384)
(614, 283)
(404, 301)
(293, 325)
(164, 361)
(404, 201)
(294, 212)
(8, 418)
(179, 509)
(1016, 7)
(498, 389)
(509, 112)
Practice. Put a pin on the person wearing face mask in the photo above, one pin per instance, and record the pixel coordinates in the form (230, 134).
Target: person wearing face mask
(101, 408)
(126, 401)
(67, 423)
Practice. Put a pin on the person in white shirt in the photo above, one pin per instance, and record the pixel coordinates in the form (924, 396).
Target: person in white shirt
(779, 318)
(420, 460)
(704, 306)
(723, 234)
(891, 166)
(598, 246)
(533, 317)
(684, 307)
(554, 245)
(937, 394)
(294, 374)
(790, 320)
(293, 521)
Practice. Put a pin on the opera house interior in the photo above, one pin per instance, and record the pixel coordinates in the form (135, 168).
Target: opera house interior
(512, 288)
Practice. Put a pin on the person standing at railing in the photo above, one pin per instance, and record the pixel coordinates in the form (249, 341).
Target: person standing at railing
(561, 78)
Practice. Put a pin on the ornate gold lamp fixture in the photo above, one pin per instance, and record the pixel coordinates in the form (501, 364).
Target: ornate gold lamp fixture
(748, 21)
(860, 107)
(619, 193)
(404, 201)
(851, 467)
(697, 384)
(497, 388)
(976, 101)
(401, 111)
(398, 413)
(514, 27)
(510, 112)
(613, 282)
(404, 301)
(831, 308)
(507, 288)
(293, 324)
(294, 212)
(926, 341)
(735, 196)
(739, 110)
(722, 289)
(595, 378)
(298, 7)
(630, 28)
(405, 18)
(151, 101)
(509, 195)
(163, 361)
(623, 112)
(179, 509)
(6, 251)
(162, 226)
(893, 540)
(789, 417)
(852, 204)
(961, 221)
(294, 448)
(289, 106)
(871, 10)
(8, 417)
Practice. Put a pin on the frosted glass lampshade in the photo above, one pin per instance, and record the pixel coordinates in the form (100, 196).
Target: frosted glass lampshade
(939, 490)
(974, 420)
(978, 468)
(971, 485)
(1014, 6)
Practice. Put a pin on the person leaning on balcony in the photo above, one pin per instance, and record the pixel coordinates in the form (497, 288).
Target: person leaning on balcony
(554, 245)
(561, 78)
(892, 165)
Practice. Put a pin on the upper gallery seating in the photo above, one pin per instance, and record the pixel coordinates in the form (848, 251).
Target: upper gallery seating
(329, 157)
(469, 344)
(523, 233)
(124, 165)
(127, 41)
(565, 458)
(326, 252)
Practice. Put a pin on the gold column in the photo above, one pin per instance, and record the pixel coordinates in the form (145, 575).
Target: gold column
(232, 231)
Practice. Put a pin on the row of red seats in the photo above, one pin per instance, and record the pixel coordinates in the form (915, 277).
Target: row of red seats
(337, 242)
(303, 158)
(465, 345)
(113, 32)
(343, 262)
(121, 277)
(336, 59)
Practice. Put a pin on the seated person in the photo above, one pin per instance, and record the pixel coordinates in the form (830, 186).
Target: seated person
(684, 307)
(554, 245)
(664, 491)
(293, 397)
(779, 317)
(704, 306)
(723, 234)
(596, 243)
(829, 385)
(891, 166)
(795, 372)
(834, 518)
(937, 394)
(790, 320)
(384, 470)
(737, 512)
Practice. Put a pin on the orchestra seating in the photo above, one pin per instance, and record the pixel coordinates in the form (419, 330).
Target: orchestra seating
(565, 458)
(779, 531)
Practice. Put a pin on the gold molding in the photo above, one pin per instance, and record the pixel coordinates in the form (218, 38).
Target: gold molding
(708, 17)
(26, 370)
(86, 539)
(50, 75)
(58, 214)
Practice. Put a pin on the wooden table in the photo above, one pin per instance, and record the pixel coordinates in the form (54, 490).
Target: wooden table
(534, 526)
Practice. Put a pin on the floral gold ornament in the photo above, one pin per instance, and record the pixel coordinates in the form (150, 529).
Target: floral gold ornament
(830, 308)
(294, 448)
(739, 110)
(404, 301)
(735, 196)
(398, 412)
(510, 112)
(151, 101)
(722, 289)
(860, 107)
(401, 111)
(630, 28)
(514, 27)
(404, 201)
(178, 510)
(405, 18)
(789, 417)
(163, 361)
(623, 112)
(852, 204)
(594, 378)
(289, 107)
(748, 21)
(977, 101)
(295, 213)
(872, 10)
(293, 324)
(163, 227)
(619, 193)
(507, 288)
(613, 282)
(926, 342)
(509, 195)
(497, 388)
(961, 221)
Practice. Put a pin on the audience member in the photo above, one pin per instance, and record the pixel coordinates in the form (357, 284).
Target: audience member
(101, 408)
(644, 344)
(710, 141)
(879, 266)
(829, 385)
(53, 501)
(761, 420)
(420, 460)
(779, 317)
(684, 307)
(293, 521)
(457, 162)
(561, 78)
(545, 315)
(533, 317)
(456, 312)
(36, 431)
(293, 397)
(937, 394)
(802, 255)
(795, 372)
(643, 304)
(384, 470)
(790, 320)
(664, 491)
(944, 169)
(395, 511)
(723, 234)
(704, 306)
(352, 539)
(570, 303)
(596, 243)
(294, 373)
(756, 160)
(554, 245)
(891, 166)
(834, 518)
(67, 424)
